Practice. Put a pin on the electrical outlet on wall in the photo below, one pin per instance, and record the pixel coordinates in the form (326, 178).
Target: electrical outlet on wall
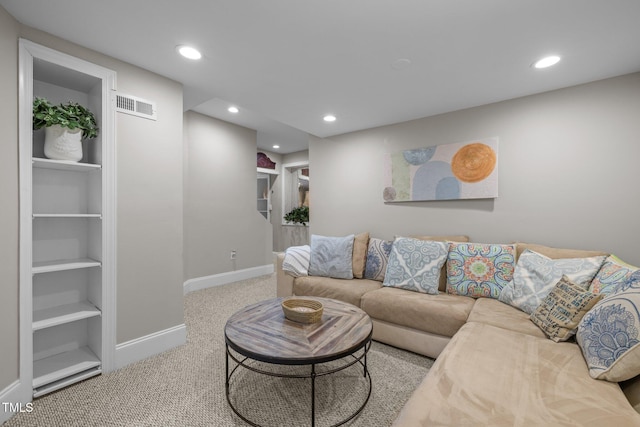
(233, 255)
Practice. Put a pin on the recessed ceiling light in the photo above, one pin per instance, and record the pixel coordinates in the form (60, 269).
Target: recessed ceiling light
(276, 146)
(547, 62)
(233, 109)
(329, 118)
(189, 52)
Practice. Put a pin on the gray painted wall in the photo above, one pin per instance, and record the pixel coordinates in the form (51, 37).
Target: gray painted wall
(220, 212)
(149, 200)
(568, 173)
(9, 225)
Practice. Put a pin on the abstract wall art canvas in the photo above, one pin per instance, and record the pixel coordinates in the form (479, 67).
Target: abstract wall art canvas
(464, 170)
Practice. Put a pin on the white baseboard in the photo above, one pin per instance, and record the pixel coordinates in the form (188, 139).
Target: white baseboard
(14, 399)
(223, 278)
(150, 345)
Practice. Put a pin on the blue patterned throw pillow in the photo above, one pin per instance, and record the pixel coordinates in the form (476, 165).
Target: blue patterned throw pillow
(377, 258)
(609, 334)
(614, 272)
(415, 264)
(479, 270)
(331, 256)
(535, 275)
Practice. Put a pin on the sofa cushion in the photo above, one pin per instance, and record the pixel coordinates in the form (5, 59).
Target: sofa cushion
(488, 376)
(331, 256)
(496, 313)
(560, 312)
(377, 258)
(441, 314)
(360, 244)
(415, 264)
(478, 269)
(555, 253)
(535, 275)
(609, 334)
(612, 274)
(349, 291)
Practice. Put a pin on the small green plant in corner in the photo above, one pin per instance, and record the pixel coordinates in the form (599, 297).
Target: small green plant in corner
(298, 215)
(70, 115)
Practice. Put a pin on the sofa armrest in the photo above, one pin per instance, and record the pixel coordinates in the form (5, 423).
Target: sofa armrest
(285, 281)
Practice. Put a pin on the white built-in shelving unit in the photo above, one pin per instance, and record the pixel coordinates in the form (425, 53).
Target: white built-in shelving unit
(265, 181)
(67, 229)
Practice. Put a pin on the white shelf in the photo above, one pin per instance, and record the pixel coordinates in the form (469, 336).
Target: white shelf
(59, 366)
(63, 314)
(67, 215)
(61, 265)
(269, 171)
(57, 385)
(63, 165)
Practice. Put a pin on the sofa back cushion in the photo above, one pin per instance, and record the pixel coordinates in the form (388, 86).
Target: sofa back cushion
(555, 253)
(479, 269)
(360, 245)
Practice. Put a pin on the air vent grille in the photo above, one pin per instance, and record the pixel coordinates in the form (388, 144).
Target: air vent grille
(136, 106)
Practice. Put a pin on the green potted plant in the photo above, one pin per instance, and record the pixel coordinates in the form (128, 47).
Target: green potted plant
(299, 215)
(65, 127)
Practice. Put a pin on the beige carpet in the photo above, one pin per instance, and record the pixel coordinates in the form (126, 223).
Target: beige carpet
(185, 386)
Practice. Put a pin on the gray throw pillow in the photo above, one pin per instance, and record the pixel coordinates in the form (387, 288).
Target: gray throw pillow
(331, 256)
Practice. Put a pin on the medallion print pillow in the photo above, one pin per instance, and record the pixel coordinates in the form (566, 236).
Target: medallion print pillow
(479, 270)
(377, 257)
(415, 264)
(535, 275)
(613, 273)
(609, 334)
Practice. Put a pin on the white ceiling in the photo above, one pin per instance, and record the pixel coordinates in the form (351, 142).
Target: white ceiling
(287, 63)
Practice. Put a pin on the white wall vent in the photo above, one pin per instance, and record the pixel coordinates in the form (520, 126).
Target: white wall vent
(136, 106)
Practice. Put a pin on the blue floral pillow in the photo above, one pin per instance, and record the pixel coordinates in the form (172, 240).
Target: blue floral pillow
(377, 259)
(614, 272)
(415, 264)
(535, 275)
(479, 270)
(609, 334)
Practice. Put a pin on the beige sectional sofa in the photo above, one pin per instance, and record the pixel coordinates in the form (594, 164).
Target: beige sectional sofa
(493, 366)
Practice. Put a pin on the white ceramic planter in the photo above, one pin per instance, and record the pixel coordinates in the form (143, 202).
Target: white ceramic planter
(62, 143)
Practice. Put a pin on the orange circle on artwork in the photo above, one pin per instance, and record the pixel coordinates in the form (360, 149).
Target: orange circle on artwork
(473, 162)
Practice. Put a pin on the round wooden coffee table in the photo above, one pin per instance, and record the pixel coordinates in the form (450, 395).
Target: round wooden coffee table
(260, 332)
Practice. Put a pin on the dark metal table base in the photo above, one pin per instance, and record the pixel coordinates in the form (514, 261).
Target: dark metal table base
(244, 362)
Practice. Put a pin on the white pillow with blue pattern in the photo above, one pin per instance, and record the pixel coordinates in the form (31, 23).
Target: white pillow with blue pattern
(415, 264)
(331, 256)
(609, 334)
(535, 275)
